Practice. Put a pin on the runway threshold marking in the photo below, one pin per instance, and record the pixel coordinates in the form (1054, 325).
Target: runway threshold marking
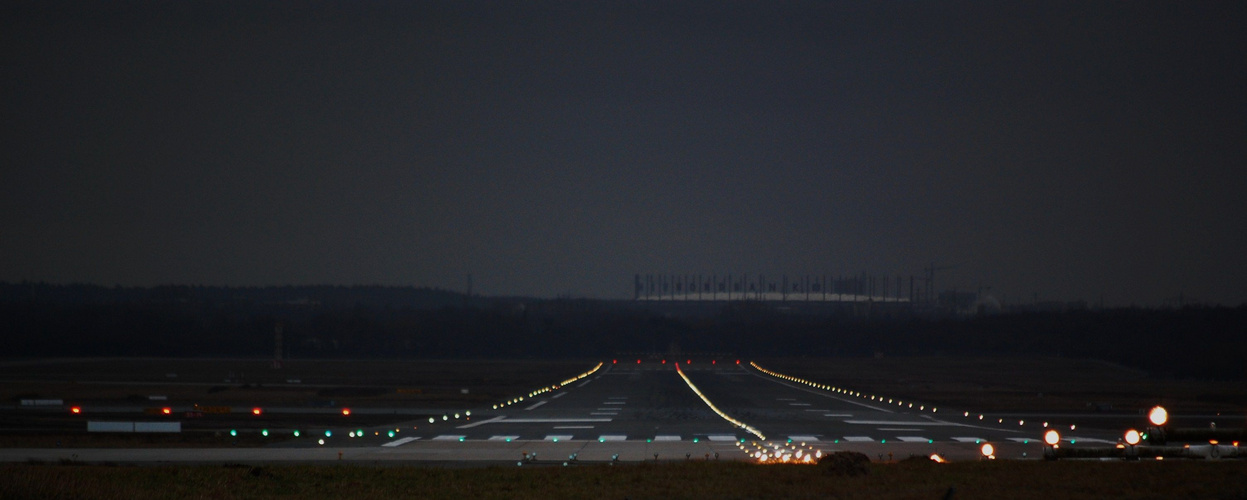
(613, 437)
(803, 438)
(912, 439)
(836, 415)
(498, 418)
(919, 423)
(968, 439)
(558, 437)
(722, 437)
(666, 438)
(447, 437)
(859, 439)
(503, 438)
(604, 413)
(552, 420)
(798, 404)
(534, 405)
(614, 402)
(400, 442)
(574, 426)
(898, 429)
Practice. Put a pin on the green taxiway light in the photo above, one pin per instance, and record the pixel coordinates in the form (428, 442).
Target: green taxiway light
(264, 432)
(296, 433)
(233, 432)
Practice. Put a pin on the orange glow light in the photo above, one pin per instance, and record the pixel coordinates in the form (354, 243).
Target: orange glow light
(256, 411)
(75, 410)
(166, 410)
(346, 411)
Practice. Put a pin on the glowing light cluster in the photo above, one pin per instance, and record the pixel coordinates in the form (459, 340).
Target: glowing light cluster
(781, 453)
(716, 409)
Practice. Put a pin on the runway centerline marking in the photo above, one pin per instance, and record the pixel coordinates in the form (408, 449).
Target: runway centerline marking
(897, 429)
(574, 426)
(539, 403)
(559, 395)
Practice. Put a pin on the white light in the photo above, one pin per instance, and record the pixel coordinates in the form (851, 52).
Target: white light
(1158, 416)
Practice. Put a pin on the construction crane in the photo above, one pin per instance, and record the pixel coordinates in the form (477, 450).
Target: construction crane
(930, 285)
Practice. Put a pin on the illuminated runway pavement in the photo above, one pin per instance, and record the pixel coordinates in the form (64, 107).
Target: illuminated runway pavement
(634, 412)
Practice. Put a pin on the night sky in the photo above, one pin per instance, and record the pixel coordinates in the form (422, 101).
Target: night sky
(1061, 150)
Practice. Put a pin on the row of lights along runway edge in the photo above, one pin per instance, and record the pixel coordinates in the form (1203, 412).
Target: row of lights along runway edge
(1128, 446)
(881, 399)
(357, 433)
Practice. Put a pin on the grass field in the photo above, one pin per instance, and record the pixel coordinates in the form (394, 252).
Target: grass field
(905, 480)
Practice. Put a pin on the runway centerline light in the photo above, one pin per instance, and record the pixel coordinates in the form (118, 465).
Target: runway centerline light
(1158, 416)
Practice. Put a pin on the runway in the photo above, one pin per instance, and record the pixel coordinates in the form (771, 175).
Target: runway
(630, 412)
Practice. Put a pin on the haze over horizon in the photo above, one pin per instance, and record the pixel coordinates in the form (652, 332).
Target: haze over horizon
(1064, 150)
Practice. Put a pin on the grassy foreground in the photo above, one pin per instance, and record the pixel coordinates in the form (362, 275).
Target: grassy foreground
(909, 479)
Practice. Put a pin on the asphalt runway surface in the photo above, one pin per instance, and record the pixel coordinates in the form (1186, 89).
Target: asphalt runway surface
(646, 411)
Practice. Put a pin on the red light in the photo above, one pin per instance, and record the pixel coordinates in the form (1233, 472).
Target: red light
(166, 410)
(256, 411)
(664, 361)
(688, 361)
(615, 362)
(712, 361)
(75, 410)
(346, 411)
(738, 361)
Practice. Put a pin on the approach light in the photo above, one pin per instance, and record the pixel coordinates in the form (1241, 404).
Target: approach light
(1132, 437)
(988, 450)
(935, 457)
(320, 442)
(1052, 437)
(1158, 416)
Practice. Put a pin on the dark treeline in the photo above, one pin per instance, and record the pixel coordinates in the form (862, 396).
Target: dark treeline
(326, 322)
